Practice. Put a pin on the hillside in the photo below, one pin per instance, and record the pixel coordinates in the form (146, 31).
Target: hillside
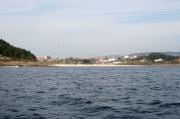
(8, 50)
(172, 53)
(165, 57)
(148, 53)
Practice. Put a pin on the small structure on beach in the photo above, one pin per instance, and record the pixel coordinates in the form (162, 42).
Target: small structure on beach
(158, 60)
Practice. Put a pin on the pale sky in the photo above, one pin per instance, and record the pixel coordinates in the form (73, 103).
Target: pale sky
(85, 28)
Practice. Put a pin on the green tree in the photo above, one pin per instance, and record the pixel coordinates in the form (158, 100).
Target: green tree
(154, 56)
(14, 52)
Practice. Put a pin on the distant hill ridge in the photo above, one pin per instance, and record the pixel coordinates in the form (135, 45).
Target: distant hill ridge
(176, 54)
(13, 52)
(147, 53)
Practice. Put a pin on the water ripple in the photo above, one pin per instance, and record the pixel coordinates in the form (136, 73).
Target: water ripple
(90, 93)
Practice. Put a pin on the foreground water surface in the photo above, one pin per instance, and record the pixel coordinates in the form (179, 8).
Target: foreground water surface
(90, 93)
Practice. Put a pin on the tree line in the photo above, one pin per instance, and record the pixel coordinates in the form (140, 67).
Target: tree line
(154, 56)
(13, 52)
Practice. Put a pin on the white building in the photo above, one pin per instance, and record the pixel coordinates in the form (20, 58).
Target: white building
(103, 60)
(158, 60)
(126, 57)
(143, 60)
(134, 57)
(111, 60)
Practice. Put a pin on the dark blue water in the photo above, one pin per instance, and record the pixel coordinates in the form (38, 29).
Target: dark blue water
(90, 93)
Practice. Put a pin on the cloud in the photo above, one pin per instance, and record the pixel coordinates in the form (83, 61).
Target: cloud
(36, 8)
(160, 16)
(91, 27)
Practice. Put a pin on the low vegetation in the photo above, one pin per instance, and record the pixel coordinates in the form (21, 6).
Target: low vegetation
(154, 56)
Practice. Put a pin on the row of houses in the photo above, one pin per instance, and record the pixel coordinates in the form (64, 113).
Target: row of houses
(47, 59)
(142, 60)
(107, 60)
(102, 60)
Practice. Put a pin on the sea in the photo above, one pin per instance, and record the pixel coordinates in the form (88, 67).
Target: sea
(141, 92)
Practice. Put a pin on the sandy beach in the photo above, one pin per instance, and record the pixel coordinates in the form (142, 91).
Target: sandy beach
(108, 65)
(31, 64)
(93, 65)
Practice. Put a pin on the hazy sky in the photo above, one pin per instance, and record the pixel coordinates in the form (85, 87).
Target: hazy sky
(91, 27)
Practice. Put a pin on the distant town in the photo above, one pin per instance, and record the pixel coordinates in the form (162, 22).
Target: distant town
(14, 56)
(132, 59)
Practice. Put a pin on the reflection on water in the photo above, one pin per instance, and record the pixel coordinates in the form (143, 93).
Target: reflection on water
(90, 93)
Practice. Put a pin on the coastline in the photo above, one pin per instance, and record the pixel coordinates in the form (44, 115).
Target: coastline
(109, 65)
(92, 65)
(17, 64)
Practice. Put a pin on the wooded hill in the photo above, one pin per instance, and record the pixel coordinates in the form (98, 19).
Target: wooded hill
(15, 53)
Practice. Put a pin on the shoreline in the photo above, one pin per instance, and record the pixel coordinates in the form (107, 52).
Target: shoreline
(92, 65)
(108, 65)
(17, 65)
